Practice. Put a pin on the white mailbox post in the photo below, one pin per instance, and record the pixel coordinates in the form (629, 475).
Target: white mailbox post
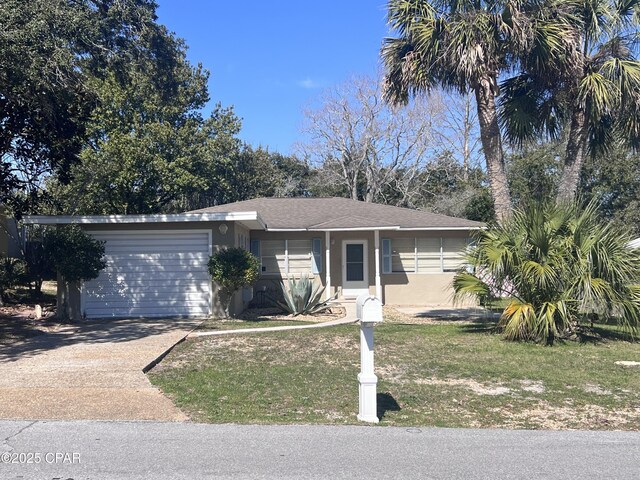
(369, 312)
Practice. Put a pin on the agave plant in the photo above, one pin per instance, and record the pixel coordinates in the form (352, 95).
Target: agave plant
(303, 296)
(559, 266)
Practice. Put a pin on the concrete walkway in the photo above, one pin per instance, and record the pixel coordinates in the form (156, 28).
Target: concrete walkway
(93, 371)
(350, 317)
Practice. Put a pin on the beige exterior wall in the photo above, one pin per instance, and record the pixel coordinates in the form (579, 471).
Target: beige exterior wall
(419, 288)
(398, 288)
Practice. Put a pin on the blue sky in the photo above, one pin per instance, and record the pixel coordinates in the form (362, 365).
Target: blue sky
(272, 58)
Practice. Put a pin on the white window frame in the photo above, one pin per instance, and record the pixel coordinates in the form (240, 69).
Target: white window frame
(387, 258)
(286, 272)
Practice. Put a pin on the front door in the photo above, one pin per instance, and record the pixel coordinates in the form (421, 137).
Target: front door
(355, 274)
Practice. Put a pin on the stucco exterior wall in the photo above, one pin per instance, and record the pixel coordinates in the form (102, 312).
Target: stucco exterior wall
(398, 288)
(419, 288)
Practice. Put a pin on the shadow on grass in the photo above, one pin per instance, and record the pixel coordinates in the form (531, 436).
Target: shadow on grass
(481, 325)
(386, 403)
(458, 314)
(599, 334)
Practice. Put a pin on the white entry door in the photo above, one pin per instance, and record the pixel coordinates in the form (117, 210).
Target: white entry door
(355, 274)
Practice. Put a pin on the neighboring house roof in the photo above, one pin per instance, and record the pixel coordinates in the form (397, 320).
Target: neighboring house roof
(335, 213)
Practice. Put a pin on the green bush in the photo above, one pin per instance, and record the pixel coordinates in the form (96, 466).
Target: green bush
(557, 267)
(73, 253)
(233, 268)
(12, 273)
(303, 296)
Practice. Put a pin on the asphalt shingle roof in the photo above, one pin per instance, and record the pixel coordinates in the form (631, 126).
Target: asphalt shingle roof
(335, 213)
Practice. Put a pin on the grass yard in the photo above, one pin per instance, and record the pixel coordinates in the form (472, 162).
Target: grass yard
(269, 317)
(235, 324)
(451, 374)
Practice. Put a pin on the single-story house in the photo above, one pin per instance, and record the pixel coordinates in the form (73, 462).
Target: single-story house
(157, 264)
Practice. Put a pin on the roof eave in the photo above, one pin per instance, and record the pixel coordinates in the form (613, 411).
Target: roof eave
(436, 229)
(249, 218)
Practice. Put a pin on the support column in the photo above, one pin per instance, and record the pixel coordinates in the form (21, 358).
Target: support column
(376, 237)
(327, 244)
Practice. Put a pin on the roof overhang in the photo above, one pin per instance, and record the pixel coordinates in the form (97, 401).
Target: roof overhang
(370, 229)
(352, 229)
(438, 229)
(251, 220)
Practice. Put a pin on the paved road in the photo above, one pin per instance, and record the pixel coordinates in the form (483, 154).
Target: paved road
(89, 371)
(141, 450)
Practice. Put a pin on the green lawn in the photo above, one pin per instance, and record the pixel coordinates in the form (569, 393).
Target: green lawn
(235, 324)
(450, 374)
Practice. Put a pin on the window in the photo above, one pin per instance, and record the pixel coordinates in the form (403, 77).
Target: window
(403, 255)
(273, 256)
(423, 255)
(386, 255)
(429, 252)
(298, 256)
(255, 248)
(316, 251)
(452, 254)
(288, 257)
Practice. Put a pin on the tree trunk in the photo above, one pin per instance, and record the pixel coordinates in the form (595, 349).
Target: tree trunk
(492, 146)
(574, 156)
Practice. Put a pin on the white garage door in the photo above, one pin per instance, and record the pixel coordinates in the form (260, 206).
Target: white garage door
(151, 274)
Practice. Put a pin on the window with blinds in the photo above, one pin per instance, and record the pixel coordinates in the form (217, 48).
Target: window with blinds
(453, 254)
(289, 257)
(422, 255)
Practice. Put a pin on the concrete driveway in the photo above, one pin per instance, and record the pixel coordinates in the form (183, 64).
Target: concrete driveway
(91, 371)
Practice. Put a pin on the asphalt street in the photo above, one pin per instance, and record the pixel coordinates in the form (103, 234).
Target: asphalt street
(151, 450)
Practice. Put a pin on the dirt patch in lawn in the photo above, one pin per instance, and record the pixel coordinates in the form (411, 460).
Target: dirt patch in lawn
(270, 317)
(554, 417)
(276, 314)
(476, 387)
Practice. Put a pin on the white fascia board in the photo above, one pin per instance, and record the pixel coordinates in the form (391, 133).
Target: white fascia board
(440, 228)
(156, 218)
(353, 229)
(286, 229)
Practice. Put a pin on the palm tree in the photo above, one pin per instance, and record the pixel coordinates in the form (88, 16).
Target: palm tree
(593, 94)
(559, 265)
(465, 46)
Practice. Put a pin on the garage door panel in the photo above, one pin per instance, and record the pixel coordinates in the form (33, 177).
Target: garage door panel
(151, 274)
(153, 268)
(149, 296)
(178, 282)
(148, 312)
(149, 303)
(171, 256)
(143, 249)
(181, 235)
